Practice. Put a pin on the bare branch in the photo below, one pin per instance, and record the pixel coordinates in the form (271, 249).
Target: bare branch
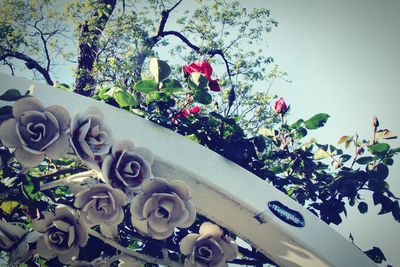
(29, 62)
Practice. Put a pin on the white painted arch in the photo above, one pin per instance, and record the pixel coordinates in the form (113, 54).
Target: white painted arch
(223, 191)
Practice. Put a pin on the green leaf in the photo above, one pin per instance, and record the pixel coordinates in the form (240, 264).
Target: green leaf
(125, 99)
(103, 93)
(316, 121)
(321, 154)
(396, 211)
(5, 113)
(376, 255)
(159, 69)
(8, 206)
(300, 133)
(378, 149)
(146, 86)
(395, 150)
(343, 139)
(381, 172)
(11, 95)
(197, 81)
(364, 160)
(297, 124)
(344, 158)
(171, 85)
(388, 161)
(203, 97)
(363, 207)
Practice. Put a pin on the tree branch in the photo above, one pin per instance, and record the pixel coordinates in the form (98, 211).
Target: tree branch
(29, 62)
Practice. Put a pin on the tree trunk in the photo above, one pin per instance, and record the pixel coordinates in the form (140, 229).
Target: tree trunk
(88, 40)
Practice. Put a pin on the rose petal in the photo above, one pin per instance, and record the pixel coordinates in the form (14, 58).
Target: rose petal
(150, 206)
(63, 211)
(208, 228)
(159, 185)
(121, 146)
(20, 254)
(71, 236)
(230, 248)
(69, 256)
(59, 148)
(33, 237)
(145, 153)
(160, 236)
(82, 235)
(191, 215)
(157, 224)
(62, 116)
(43, 224)
(187, 243)
(140, 225)
(137, 206)
(44, 251)
(8, 135)
(28, 159)
(119, 196)
(26, 104)
(62, 225)
(105, 168)
(181, 189)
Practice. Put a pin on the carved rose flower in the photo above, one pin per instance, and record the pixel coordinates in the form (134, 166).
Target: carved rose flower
(10, 234)
(126, 167)
(62, 235)
(17, 239)
(101, 205)
(161, 207)
(91, 139)
(208, 248)
(36, 131)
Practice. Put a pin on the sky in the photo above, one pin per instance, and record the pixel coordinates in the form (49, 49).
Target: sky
(343, 59)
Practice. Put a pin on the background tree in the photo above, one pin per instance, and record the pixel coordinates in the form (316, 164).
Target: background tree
(110, 44)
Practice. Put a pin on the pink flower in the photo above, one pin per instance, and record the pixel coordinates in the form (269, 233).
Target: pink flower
(204, 68)
(280, 106)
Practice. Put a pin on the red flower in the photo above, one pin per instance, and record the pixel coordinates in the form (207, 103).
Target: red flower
(194, 109)
(185, 113)
(280, 106)
(204, 68)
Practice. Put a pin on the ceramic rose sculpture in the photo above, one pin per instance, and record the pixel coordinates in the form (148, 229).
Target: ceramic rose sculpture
(161, 207)
(118, 190)
(63, 234)
(36, 131)
(210, 247)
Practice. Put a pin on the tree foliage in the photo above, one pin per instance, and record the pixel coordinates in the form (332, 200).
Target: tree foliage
(130, 54)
